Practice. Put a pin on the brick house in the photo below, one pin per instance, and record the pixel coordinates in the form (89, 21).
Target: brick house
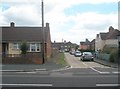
(85, 45)
(107, 39)
(13, 36)
(63, 46)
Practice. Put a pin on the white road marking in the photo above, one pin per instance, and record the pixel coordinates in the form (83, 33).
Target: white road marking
(41, 85)
(116, 72)
(10, 70)
(107, 85)
(99, 71)
(96, 69)
(26, 72)
(40, 69)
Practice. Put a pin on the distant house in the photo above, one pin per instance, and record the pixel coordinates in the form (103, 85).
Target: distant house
(107, 39)
(93, 44)
(63, 46)
(13, 36)
(85, 45)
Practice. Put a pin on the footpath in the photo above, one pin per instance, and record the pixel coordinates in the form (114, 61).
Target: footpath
(47, 66)
(110, 64)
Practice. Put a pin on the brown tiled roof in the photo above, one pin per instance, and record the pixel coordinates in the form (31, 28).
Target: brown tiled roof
(110, 35)
(23, 33)
(113, 35)
(103, 36)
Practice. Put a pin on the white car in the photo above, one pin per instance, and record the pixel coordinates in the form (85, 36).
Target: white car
(77, 54)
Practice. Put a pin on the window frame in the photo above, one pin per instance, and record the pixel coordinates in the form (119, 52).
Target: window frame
(37, 46)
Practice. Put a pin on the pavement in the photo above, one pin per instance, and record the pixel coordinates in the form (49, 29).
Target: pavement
(49, 65)
(32, 67)
(106, 63)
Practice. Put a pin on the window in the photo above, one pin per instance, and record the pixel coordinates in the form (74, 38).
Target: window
(16, 46)
(34, 47)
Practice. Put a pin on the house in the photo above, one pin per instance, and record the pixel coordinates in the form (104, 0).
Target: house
(63, 46)
(13, 36)
(85, 45)
(107, 39)
(93, 44)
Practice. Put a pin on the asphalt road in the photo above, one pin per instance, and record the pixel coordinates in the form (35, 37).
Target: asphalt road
(80, 74)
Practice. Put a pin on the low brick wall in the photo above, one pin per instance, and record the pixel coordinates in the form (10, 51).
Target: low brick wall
(29, 58)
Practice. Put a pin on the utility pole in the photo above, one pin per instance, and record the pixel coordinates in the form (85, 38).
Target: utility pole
(43, 35)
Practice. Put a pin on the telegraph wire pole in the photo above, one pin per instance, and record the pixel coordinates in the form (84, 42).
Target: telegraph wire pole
(43, 35)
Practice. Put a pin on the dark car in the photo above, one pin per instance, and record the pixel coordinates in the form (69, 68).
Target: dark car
(87, 56)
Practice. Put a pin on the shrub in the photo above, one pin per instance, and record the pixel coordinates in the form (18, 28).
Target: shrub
(24, 48)
(113, 51)
(114, 56)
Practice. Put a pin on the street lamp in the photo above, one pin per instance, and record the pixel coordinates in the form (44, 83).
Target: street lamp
(43, 42)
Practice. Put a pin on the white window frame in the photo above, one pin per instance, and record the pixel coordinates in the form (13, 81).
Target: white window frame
(17, 46)
(36, 47)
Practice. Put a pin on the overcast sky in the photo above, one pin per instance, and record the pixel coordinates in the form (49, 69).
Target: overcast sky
(71, 20)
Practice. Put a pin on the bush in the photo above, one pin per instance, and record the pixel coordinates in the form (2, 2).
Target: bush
(113, 51)
(114, 56)
(24, 48)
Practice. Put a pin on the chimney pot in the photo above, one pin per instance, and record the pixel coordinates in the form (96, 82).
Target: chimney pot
(12, 24)
(47, 24)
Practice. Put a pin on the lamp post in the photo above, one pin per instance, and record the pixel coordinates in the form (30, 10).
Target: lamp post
(119, 48)
(43, 42)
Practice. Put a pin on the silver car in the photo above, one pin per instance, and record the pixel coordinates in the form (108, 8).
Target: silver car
(87, 56)
(77, 54)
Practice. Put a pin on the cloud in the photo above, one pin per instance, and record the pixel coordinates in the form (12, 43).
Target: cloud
(22, 15)
(74, 28)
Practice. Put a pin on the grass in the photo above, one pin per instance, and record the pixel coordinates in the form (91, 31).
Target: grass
(60, 59)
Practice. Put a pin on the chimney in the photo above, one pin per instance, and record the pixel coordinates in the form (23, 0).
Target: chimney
(47, 25)
(12, 24)
(111, 29)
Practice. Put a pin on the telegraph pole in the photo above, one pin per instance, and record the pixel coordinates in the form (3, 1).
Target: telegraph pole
(43, 35)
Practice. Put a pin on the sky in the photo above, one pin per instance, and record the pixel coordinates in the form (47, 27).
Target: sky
(70, 20)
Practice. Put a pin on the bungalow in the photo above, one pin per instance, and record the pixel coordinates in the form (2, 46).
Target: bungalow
(13, 36)
(107, 39)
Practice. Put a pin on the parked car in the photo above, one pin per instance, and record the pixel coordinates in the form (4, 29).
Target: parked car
(77, 54)
(87, 56)
(72, 52)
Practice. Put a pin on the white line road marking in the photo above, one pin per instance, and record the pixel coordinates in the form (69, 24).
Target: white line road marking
(107, 85)
(96, 70)
(99, 71)
(10, 70)
(40, 69)
(27, 72)
(116, 72)
(85, 64)
(40, 85)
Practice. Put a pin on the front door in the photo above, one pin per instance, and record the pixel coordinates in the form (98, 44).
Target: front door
(4, 48)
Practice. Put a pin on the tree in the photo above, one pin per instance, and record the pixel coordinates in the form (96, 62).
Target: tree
(24, 48)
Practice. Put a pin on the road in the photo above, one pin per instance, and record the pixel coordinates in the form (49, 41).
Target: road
(80, 74)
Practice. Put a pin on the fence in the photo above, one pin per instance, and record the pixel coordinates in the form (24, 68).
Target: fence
(103, 56)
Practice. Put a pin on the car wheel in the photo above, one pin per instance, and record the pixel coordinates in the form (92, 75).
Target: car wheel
(91, 59)
(81, 59)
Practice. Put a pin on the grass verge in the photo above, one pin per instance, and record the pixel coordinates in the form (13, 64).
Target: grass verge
(61, 59)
